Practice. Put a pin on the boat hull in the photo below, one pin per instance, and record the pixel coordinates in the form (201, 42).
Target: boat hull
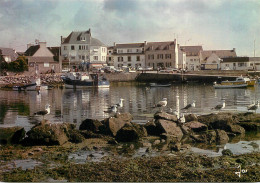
(220, 86)
(159, 85)
(70, 84)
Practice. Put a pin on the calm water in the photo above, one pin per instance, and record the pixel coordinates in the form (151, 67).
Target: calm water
(68, 105)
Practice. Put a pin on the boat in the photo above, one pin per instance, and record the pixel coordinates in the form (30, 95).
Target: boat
(240, 82)
(84, 80)
(250, 82)
(35, 85)
(159, 85)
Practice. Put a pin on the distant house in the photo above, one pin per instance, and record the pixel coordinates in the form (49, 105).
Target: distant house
(211, 59)
(193, 57)
(80, 48)
(241, 63)
(8, 54)
(129, 55)
(42, 59)
(164, 54)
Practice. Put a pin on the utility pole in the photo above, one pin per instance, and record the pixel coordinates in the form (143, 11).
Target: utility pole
(254, 48)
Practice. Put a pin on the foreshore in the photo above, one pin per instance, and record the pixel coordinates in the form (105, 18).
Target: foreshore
(107, 151)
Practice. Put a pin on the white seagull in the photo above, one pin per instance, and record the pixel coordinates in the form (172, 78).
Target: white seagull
(190, 105)
(120, 104)
(182, 119)
(220, 106)
(46, 111)
(162, 103)
(253, 107)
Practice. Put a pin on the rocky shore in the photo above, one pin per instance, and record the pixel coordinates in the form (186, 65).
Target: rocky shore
(20, 80)
(53, 148)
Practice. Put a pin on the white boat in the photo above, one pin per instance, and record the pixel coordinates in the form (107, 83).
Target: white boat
(240, 82)
(159, 85)
(81, 80)
(35, 85)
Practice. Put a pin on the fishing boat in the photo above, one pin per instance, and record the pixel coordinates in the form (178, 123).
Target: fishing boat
(84, 80)
(240, 82)
(159, 85)
(250, 82)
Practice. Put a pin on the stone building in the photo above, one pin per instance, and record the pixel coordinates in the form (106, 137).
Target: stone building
(42, 59)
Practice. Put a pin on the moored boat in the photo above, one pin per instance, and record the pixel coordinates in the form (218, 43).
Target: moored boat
(159, 85)
(240, 82)
(84, 80)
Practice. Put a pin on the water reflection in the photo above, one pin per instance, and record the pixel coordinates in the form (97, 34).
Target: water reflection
(68, 105)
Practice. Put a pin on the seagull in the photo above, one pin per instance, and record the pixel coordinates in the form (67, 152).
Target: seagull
(253, 106)
(189, 105)
(162, 103)
(220, 106)
(120, 104)
(112, 109)
(46, 111)
(182, 119)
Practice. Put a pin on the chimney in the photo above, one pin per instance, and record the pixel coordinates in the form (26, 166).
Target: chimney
(234, 49)
(89, 30)
(114, 43)
(145, 43)
(42, 44)
(60, 39)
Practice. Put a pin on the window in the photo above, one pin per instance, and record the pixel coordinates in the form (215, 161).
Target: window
(129, 50)
(72, 57)
(83, 57)
(65, 48)
(109, 58)
(129, 58)
(72, 47)
(167, 56)
(160, 56)
(241, 64)
(46, 65)
(137, 58)
(191, 59)
(95, 57)
(120, 51)
(129, 65)
(137, 50)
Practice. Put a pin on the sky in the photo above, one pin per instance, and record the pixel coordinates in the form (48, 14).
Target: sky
(214, 24)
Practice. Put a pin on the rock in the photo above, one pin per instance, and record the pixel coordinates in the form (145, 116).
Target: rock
(75, 136)
(151, 128)
(169, 128)
(89, 134)
(91, 125)
(191, 117)
(196, 126)
(169, 138)
(250, 126)
(175, 146)
(114, 124)
(237, 129)
(156, 142)
(47, 133)
(165, 116)
(227, 152)
(130, 132)
(11, 135)
(222, 137)
(222, 121)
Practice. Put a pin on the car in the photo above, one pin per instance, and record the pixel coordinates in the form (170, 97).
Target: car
(168, 70)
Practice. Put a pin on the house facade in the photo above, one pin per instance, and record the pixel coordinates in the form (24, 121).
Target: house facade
(241, 63)
(128, 55)
(164, 54)
(81, 49)
(211, 59)
(193, 57)
(8, 54)
(42, 59)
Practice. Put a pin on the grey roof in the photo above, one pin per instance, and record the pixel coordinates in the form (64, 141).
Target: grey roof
(219, 53)
(130, 45)
(160, 45)
(9, 52)
(236, 59)
(192, 50)
(74, 38)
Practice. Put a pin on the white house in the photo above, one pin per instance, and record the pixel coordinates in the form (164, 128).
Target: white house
(9, 54)
(241, 63)
(193, 57)
(80, 48)
(211, 59)
(130, 55)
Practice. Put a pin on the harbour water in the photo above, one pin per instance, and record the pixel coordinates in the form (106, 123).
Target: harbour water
(73, 106)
